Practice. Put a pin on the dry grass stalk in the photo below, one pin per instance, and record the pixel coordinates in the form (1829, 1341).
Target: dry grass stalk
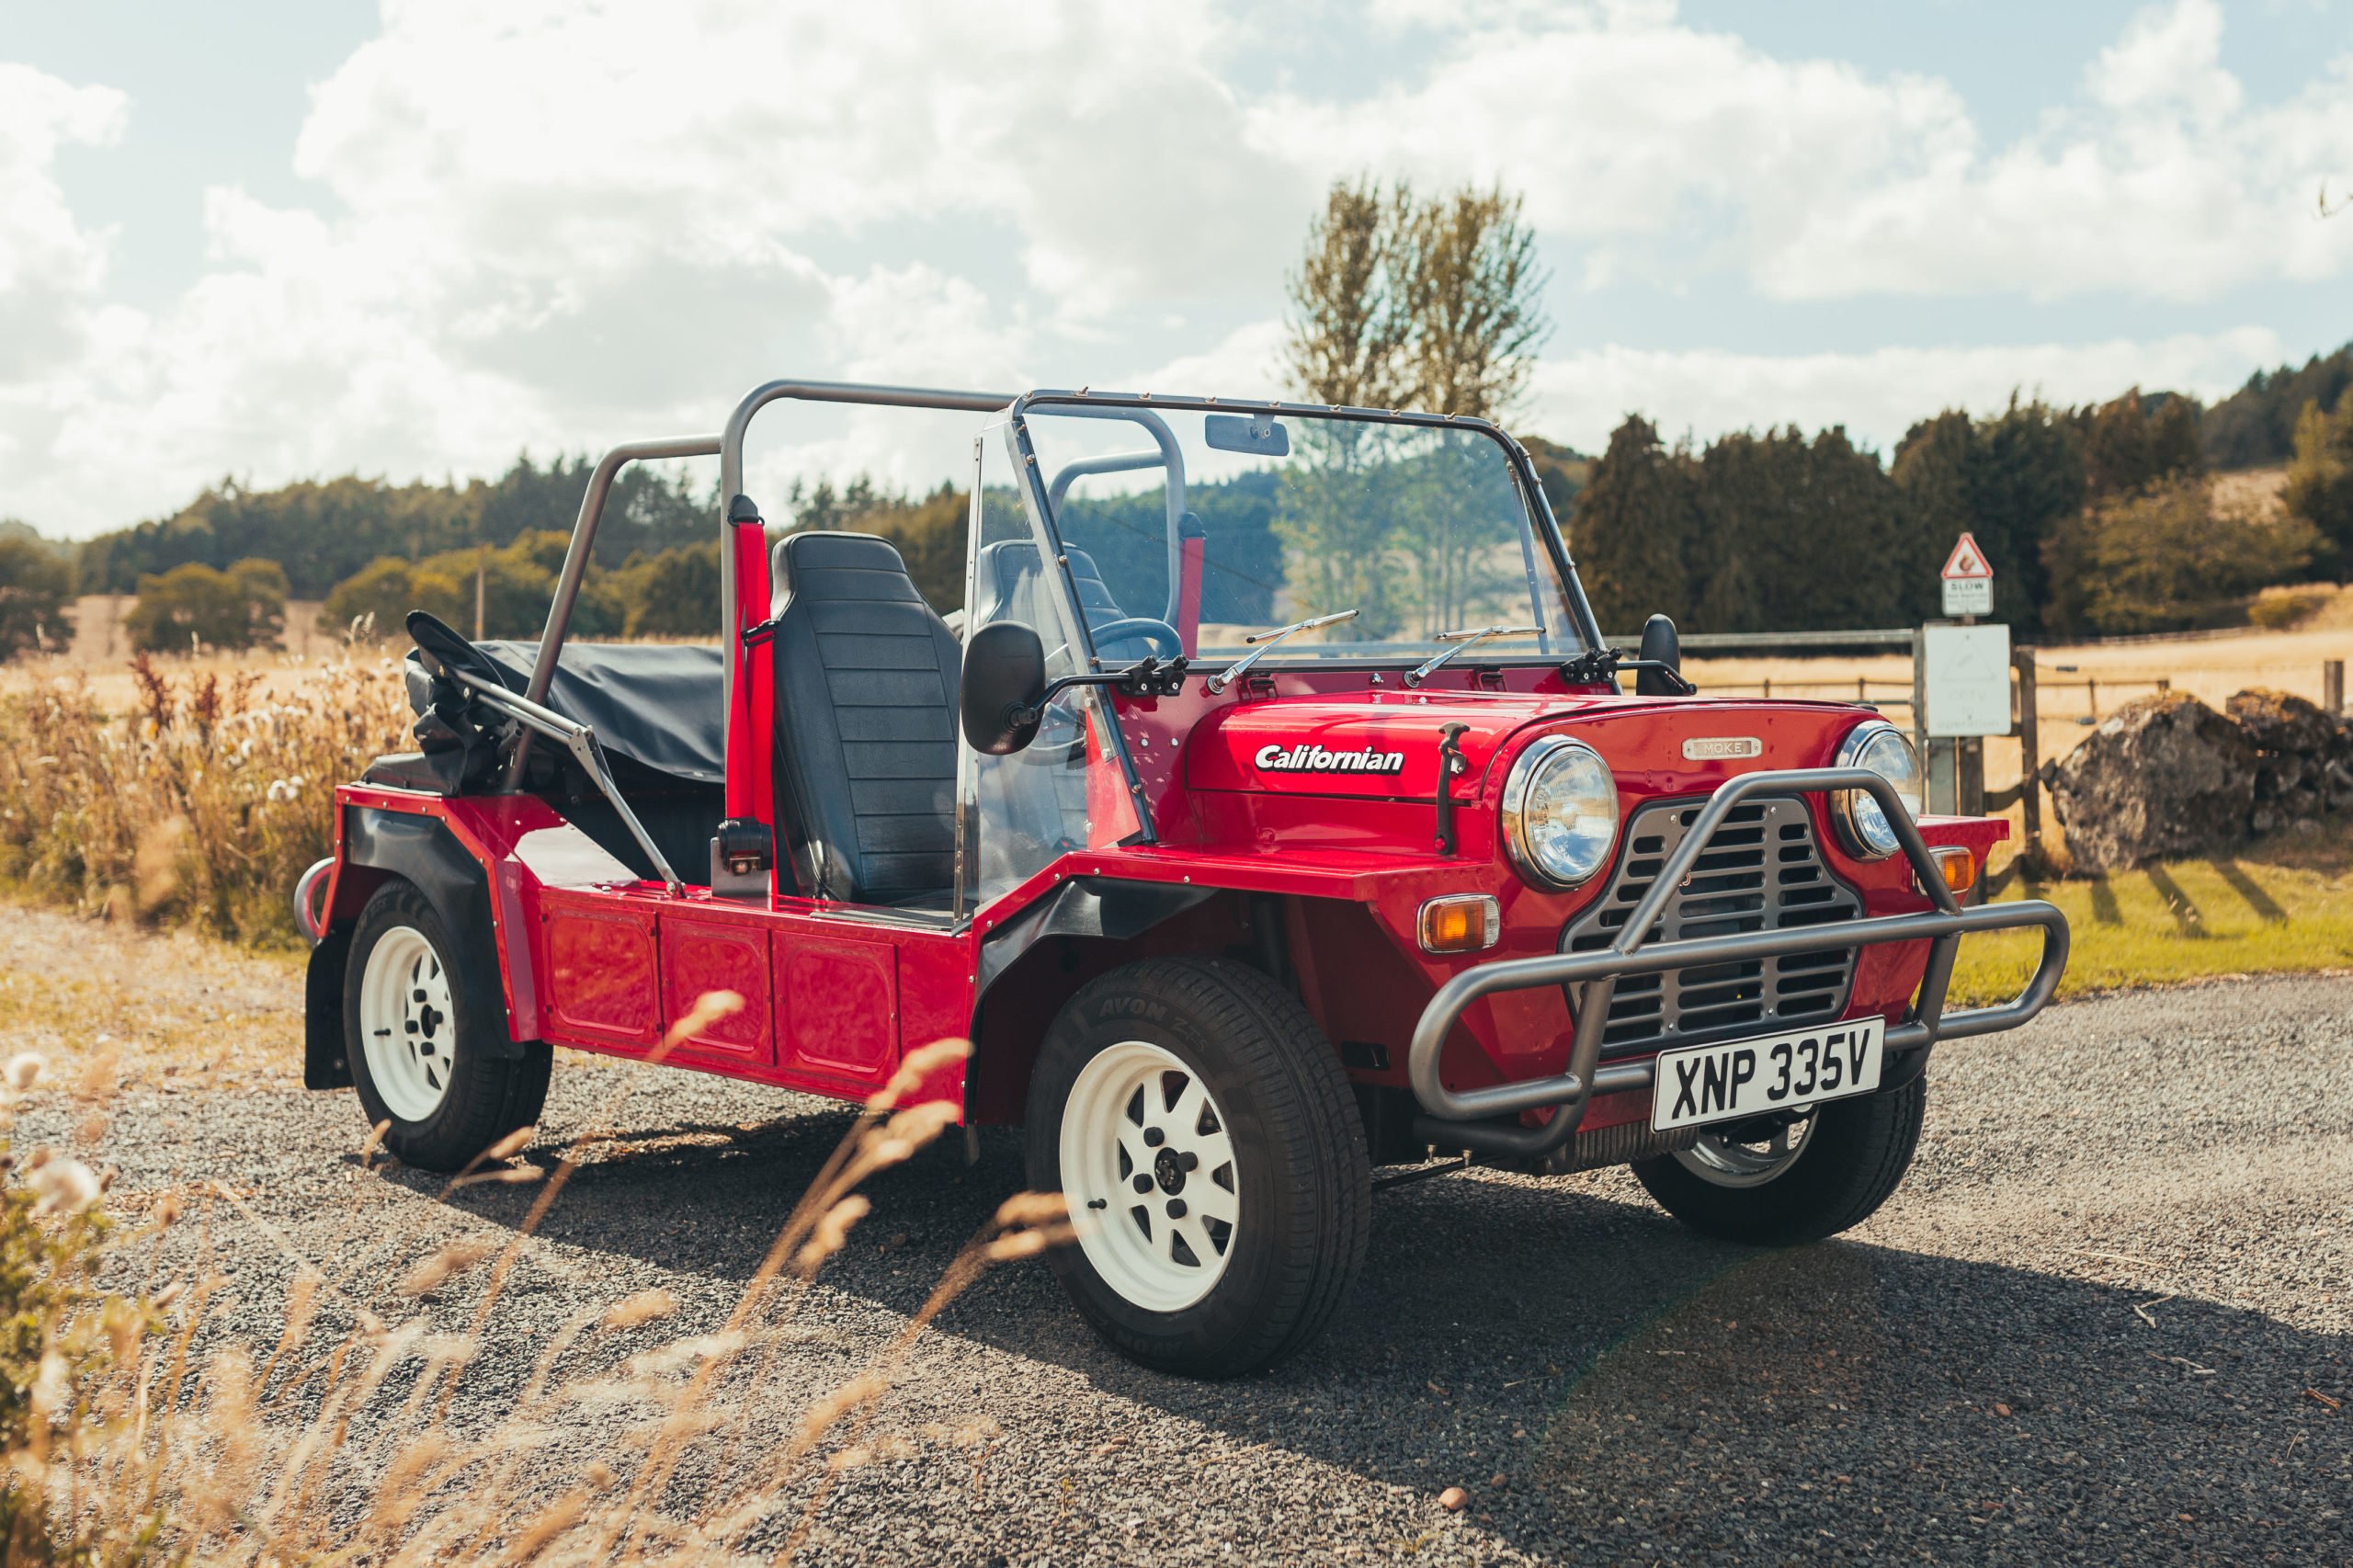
(232, 1478)
(832, 1232)
(434, 1270)
(200, 803)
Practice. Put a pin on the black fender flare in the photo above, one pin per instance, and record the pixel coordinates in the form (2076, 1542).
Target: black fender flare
(422, 850)
(1110, 908)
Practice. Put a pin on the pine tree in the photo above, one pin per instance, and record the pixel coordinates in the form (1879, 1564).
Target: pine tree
(1843, 566)
(2025, 479)
(1634, 533)
(1935, 473)
(2320, 481)
(2010, 481)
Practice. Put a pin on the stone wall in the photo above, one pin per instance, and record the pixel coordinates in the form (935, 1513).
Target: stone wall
(2170, 776)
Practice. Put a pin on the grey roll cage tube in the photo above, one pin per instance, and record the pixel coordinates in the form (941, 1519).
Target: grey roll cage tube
(1466, 1117)
(728, 446)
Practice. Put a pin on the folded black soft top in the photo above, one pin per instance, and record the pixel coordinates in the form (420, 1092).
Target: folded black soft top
(657, 703)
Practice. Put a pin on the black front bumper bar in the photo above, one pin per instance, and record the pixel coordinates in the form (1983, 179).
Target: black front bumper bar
(1486, 1120)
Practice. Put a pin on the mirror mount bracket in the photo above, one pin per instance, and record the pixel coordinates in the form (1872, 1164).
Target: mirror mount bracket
(1600, 664)
(1148, 677)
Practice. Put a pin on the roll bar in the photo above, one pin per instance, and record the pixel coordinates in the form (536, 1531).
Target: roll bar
(728, 446)
(731, 463)
(1168, 455)
(575, 565)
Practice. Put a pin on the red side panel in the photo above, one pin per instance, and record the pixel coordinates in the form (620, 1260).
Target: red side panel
(838, 1005)
(600, 972)
(701, 956)
(1112, 815)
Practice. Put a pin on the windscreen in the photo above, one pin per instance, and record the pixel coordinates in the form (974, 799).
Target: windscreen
(1188, 529)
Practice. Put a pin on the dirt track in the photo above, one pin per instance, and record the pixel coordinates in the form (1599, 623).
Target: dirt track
(2083, 1331)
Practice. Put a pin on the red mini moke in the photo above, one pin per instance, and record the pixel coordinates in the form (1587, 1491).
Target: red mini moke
(1270, 809)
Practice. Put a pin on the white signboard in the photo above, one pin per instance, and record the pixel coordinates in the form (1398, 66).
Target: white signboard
(1968, 579)
(1965, 679)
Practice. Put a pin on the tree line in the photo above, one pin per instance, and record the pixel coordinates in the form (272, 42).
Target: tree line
(2097, 519)
(2104, 519)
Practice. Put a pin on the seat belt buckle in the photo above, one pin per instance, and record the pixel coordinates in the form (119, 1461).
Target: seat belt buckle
(743, 853)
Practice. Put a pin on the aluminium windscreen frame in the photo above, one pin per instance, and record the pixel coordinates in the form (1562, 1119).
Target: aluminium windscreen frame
(1539, 509)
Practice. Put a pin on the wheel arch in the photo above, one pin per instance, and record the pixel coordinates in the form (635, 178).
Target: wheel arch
(379, 847)
(1035, 961)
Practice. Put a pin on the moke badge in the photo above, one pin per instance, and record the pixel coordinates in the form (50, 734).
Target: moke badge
(1722, 748)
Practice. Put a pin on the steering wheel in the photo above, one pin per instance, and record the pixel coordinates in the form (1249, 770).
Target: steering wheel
(1159, 633)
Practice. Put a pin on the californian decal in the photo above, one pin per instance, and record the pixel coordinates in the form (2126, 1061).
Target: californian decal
(1306, 758)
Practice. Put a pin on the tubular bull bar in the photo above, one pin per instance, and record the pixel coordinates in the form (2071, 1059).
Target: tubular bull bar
(1485, 1120)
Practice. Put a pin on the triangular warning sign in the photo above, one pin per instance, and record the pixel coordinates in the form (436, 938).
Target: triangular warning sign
(1966, 561)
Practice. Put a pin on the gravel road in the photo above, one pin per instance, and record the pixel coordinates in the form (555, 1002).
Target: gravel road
(2083, 1331)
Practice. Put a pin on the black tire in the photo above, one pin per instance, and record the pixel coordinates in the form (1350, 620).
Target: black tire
(489, 1092)
(1854, 1156)
(1304, 1183)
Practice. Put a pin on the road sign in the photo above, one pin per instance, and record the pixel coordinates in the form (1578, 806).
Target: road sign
(1965, 680)
(1968, 579)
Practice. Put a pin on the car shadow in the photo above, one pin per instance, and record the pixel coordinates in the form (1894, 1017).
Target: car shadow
(1606, 1383)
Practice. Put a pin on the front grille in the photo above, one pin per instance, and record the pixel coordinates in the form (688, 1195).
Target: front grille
(1763, 872)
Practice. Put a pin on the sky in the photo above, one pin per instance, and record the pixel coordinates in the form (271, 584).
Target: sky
(278, 239)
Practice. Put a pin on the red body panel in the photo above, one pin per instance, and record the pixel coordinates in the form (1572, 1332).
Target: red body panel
(835, 996)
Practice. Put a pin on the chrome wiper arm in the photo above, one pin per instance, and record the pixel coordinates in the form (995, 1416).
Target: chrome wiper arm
(1262, 642)
(1463, 642)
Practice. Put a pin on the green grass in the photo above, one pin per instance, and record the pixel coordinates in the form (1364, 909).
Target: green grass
(2282, 906)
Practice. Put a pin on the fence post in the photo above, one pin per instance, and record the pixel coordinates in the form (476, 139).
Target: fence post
(2332, 686)
(2029, 755)
(1920, 713)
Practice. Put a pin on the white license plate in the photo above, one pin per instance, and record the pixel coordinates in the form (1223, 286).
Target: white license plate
(1784, 1072)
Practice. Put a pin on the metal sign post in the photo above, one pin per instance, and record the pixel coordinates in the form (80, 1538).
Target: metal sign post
(1955, 697)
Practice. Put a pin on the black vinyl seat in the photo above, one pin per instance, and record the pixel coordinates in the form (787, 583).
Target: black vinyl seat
(1012, 588)
(866, 680)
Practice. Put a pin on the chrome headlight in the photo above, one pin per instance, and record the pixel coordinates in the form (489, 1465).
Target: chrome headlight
(1560, 812)
(1863, 824)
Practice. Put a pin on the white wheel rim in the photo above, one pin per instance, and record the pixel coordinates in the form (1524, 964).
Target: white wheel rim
(1724, 1161)
(407, 1023)
(1164, 1248)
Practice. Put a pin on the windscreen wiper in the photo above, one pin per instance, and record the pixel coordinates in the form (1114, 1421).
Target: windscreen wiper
(1261, 644)
(1463, 642)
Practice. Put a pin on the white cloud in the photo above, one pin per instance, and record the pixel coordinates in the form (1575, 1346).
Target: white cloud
(1667, 152)
(559, 226)
(564, 226)
(1246, 362)
(1581, 397)
(50, 267)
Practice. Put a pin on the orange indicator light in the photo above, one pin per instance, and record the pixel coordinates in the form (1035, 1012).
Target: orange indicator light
(1959, 866)
(1459, 923)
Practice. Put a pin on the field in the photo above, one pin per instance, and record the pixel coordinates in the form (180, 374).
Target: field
(336, 704)
(2280, 907)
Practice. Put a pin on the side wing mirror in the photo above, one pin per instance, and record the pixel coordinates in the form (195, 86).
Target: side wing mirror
(1661, 645)
(1004, 674)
